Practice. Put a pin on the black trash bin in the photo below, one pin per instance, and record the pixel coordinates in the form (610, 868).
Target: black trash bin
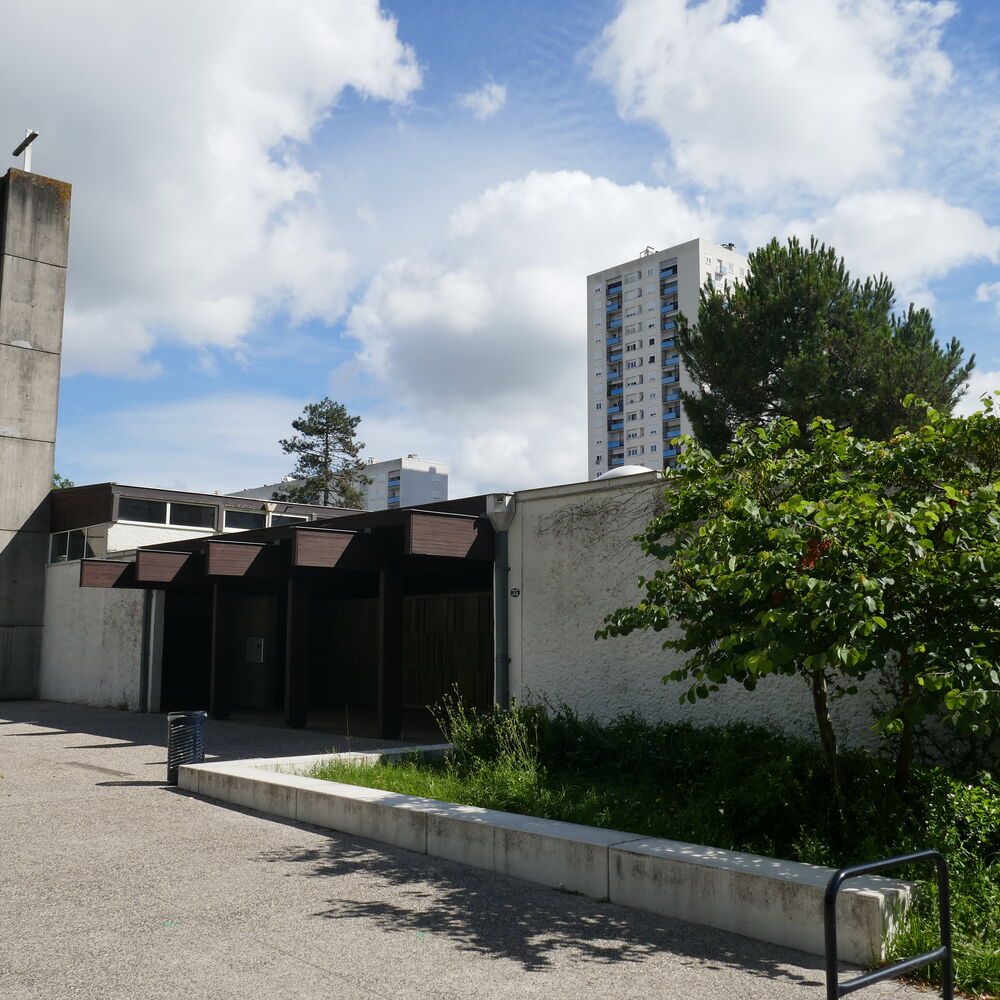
(185, 741)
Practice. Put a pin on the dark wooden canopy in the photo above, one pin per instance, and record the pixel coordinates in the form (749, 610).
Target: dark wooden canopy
(361, 541)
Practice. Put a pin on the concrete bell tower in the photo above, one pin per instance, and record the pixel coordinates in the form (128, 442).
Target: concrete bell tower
(34, 245)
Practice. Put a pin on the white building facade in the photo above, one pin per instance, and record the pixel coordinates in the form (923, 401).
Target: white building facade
(634, 369)
(405, 482)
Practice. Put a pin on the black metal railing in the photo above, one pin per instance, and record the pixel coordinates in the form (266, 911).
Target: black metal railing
(834, 989)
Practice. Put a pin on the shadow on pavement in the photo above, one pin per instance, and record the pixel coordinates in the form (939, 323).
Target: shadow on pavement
(99, 746)
(134, 784)
(526, 923)
(224, 740)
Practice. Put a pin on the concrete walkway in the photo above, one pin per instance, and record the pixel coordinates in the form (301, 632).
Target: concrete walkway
(115, 885)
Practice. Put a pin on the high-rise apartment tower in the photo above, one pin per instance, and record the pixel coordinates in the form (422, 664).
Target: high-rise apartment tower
(634, 369)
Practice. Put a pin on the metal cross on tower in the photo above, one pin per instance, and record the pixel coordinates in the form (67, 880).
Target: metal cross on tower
(30, 135)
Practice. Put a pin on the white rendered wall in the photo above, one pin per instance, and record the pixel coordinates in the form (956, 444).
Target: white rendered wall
(91, 643)
(124, 536)
(573, 560)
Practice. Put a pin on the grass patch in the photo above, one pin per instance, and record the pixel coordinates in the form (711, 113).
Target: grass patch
(743, 788)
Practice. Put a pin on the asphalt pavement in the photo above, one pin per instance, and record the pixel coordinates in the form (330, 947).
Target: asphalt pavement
(115, 885)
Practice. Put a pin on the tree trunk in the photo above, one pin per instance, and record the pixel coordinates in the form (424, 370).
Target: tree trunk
(828, 738)
(904, 755)
(326, 470)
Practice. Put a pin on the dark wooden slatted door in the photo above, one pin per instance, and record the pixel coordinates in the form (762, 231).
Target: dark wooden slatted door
(448, 644)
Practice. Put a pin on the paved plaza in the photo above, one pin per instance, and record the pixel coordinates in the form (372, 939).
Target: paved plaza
(116, 885)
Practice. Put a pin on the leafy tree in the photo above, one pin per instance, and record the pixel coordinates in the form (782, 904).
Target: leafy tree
(327, 466)
(799, 338)
(826, 562)
(61, 482)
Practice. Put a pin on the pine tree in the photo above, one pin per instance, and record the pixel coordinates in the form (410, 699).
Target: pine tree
(801, 339)
(327, 467)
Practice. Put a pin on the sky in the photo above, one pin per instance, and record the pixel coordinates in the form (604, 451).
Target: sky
(396, 205)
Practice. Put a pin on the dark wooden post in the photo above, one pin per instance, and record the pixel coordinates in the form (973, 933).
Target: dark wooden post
(218, 691)
(390, 651)
(297, 651)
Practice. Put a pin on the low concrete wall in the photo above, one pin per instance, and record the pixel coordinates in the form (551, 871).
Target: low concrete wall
(763, 898)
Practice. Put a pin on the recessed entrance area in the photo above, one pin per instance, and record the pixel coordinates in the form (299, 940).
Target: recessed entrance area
(357, 628)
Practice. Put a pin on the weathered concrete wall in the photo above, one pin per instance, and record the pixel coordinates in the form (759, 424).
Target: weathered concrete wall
(92, 643)
(573, 560)
(34, 246)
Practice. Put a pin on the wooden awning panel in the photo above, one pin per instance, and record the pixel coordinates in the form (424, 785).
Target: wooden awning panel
(166, 567)
(449, 536)
(320, 548)
(105, 573)
(224, 558)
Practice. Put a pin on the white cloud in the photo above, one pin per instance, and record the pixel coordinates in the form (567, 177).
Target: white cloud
(177, 127)
(989, 292)
(980, 384)
(116, 335)
(221, 442)
(486, 101)
(215, 443)
(817, 93)
(484, 336)
(911, 236)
